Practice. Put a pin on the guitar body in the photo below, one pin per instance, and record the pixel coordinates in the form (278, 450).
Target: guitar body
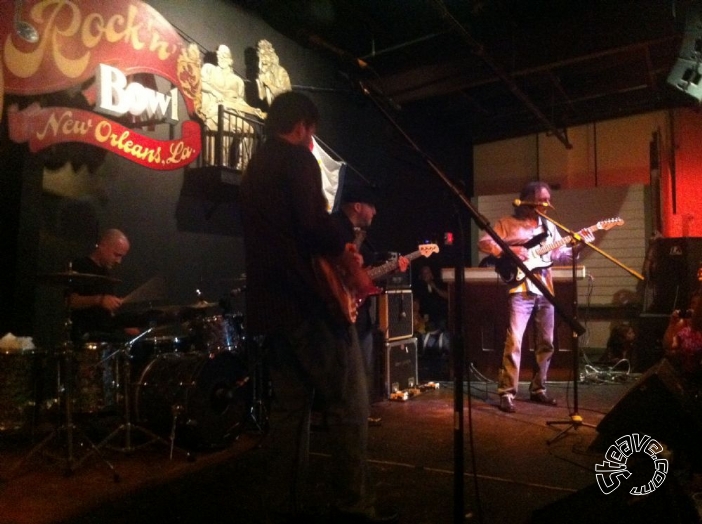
(505, 267)
(339, 298)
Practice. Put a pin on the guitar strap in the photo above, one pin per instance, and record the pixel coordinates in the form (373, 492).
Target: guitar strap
(544, 226)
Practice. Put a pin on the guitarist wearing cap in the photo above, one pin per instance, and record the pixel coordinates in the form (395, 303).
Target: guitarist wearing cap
(522, 231)
(354, 218)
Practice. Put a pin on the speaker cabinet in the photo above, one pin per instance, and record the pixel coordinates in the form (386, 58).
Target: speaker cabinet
(673, 272)
(686, 75)
(658, 406)
(395, 314)
(400, 365)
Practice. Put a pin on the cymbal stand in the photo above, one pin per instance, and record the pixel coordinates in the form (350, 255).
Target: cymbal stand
(127, 427)
(68, 428)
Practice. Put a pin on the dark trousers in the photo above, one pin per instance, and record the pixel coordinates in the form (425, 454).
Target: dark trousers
(319, 359)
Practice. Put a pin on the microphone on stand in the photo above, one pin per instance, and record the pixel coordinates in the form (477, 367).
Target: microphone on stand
(517, 203)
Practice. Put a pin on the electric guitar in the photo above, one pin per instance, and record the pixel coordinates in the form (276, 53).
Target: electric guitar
(510, 273)
(347, 285)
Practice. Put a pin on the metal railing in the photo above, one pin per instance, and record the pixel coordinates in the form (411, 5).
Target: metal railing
(234, 141)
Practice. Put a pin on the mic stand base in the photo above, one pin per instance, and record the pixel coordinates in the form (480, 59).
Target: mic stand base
(575, 422)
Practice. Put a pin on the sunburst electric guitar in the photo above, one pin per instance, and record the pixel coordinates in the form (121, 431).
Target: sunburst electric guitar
(512, 274)
(347, 285)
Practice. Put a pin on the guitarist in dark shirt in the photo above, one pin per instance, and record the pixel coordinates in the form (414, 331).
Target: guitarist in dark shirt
(309, 349)
(354, 218)
(525, 298)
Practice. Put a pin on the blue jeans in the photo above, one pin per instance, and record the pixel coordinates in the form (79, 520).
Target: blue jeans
(521, 308)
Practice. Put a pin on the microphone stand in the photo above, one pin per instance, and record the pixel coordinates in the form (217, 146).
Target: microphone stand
(458, 349)
(575, 421)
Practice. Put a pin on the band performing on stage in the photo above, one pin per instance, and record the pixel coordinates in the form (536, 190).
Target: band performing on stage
(190, 271)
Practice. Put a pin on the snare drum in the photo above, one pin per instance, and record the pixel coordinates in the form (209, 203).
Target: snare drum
(19, 388)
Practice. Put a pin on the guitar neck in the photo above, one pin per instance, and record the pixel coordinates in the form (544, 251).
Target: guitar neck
(542, 250)
(381, 270)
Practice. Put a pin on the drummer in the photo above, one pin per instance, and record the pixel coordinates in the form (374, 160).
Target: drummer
(93, 302)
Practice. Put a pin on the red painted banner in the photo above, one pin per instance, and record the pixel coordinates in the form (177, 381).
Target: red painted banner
(43, 127)
(50, 46)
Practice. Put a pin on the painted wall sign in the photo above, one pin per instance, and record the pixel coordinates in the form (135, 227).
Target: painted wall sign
(73, 42)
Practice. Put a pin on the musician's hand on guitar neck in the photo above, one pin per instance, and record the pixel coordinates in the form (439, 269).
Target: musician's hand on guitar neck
(585, 235)
(403, 263)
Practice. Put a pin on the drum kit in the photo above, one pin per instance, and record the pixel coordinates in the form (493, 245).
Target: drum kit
(187, 381)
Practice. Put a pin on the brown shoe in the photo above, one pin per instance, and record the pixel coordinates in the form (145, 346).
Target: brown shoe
(507, 404)
(542, 398)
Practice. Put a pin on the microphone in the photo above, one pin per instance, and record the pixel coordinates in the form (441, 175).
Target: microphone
(518, 203)
(319, 42)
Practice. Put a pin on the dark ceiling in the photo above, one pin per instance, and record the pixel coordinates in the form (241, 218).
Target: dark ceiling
(498, 68)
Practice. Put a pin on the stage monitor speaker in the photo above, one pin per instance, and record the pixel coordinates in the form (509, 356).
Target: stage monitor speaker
(673, 272)
(395, 314)
(400, 365)
(658, 406)
(669, 503)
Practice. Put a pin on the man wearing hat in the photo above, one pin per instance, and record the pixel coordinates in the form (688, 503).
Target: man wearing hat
(358, 207)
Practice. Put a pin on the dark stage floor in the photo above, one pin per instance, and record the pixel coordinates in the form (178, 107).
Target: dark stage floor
(512, 475)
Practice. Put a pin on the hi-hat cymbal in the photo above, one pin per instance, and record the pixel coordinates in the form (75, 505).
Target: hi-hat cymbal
(72, 277)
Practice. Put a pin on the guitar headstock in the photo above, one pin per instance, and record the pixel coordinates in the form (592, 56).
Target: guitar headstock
(609, 223)
(427, 250)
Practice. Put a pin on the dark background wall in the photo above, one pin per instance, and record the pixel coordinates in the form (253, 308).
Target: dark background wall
(192, 238)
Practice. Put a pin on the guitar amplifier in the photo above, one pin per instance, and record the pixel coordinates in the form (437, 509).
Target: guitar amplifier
(395, 314)
(400, 365)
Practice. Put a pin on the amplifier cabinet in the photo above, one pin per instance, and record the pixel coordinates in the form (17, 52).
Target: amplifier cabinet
(400, 365)
(395, 314)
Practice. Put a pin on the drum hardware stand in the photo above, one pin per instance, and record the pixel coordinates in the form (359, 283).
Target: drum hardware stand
(127, 427)
(258, 413)
(66, 390)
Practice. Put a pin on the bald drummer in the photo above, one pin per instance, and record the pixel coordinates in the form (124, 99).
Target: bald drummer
(93, 302)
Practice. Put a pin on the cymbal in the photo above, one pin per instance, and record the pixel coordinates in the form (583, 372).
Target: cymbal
(72, 277)
(202, 305)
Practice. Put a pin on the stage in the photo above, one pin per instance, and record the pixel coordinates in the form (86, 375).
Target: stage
(512, 474)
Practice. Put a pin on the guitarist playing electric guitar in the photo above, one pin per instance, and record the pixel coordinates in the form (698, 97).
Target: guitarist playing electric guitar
(355, 216)
(517, 231)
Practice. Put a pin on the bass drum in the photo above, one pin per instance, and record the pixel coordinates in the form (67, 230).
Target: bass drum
(204, 397)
